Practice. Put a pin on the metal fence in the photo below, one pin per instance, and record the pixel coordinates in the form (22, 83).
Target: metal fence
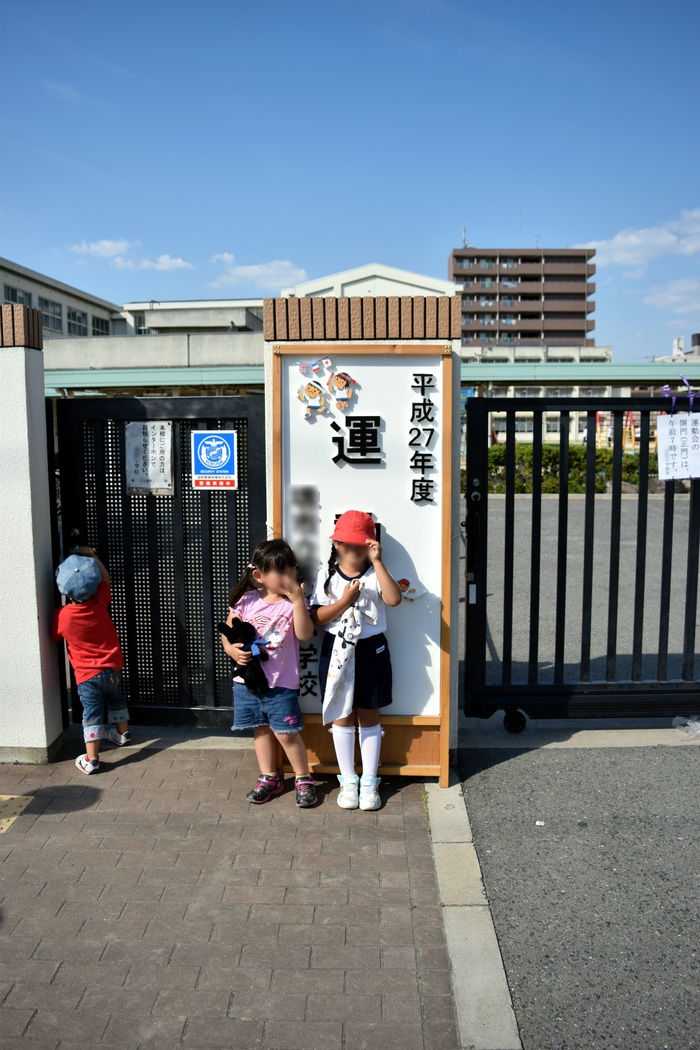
(582, 586)
(172, 559)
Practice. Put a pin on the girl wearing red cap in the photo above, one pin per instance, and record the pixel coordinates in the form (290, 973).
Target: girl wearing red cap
(355, 667)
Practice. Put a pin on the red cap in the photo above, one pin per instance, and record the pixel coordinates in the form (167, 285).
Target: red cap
(354, 526)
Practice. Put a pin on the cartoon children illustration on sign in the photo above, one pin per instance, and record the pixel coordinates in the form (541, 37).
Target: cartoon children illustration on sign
(340, 387)
(409, 593)
(313, 397)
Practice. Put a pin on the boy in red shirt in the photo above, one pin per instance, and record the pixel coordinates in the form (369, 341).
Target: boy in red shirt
(94, 652)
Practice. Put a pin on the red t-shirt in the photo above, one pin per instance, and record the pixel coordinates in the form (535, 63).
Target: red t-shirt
(93, 643)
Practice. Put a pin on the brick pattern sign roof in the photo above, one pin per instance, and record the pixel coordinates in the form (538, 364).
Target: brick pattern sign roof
(362, 317)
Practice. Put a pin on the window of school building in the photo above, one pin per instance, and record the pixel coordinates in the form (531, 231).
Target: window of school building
(16, 295)
(51, 315)
(77, 322)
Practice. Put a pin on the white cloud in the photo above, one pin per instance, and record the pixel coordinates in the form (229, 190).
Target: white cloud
(636, 248)
(265, 276)
(101, 249)
(163, 262)
(680, 297)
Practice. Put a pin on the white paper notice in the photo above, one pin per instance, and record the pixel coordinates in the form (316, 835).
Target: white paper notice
(678, 445)
(149, 457)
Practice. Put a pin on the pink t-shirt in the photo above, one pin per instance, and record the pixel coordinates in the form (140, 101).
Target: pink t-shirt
(274, 622)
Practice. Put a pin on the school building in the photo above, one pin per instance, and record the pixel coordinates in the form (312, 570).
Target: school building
(94, 348)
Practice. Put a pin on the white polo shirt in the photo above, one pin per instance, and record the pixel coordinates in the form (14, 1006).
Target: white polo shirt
(339, 582)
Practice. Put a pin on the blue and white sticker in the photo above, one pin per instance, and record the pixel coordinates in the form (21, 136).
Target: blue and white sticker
(214, 459)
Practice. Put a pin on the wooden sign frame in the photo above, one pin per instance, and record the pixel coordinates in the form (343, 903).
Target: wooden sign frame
(414, 745)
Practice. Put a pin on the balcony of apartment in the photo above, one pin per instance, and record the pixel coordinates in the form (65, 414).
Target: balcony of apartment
(566, 306)
(526, 324)
(565, 324)
(485, 302)
(521, 269)
(554, 285)
(474, 265)
(567, 268)
(521, 287)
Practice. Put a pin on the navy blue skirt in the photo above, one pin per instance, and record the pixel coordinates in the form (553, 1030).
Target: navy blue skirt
(372, 670)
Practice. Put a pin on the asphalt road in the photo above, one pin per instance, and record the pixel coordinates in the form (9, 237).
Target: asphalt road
(597, 910)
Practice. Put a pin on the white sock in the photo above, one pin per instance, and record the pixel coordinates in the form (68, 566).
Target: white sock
(370, 745)
(344, 743)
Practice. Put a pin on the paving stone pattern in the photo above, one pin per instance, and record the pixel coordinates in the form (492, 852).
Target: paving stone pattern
(152, 907)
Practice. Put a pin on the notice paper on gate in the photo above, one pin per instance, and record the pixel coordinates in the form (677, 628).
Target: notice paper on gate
(214, 459)
(678, 445)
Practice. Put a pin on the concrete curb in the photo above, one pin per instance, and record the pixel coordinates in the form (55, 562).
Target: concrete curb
(484, 1010)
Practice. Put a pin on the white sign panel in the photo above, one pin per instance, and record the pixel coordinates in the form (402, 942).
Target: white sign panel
(366, 433)
(149, 457)
(678, 445)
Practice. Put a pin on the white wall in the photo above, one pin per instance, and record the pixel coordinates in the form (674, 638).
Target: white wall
(373, 279)
(198, 350)
(30, 708)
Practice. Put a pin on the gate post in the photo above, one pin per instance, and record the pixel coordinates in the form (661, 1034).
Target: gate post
(31, 724)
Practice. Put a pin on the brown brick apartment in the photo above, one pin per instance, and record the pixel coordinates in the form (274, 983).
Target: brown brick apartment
(523, 297)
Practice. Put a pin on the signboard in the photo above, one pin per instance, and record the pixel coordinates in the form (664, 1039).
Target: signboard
(214, 459)
(678, 445)
(368, 427)
(149, 458)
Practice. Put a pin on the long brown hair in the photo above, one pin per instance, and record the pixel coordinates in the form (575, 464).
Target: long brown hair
(270, 554)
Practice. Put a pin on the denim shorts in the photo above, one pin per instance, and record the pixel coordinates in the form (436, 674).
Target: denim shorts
(277, 708)
(103, 703)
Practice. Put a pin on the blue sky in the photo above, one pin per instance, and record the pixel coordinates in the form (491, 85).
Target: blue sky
(154, 151)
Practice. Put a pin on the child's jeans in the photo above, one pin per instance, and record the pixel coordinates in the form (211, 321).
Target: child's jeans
(100, 696)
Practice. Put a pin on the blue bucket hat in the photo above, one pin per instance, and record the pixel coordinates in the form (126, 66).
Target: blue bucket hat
(78, 577)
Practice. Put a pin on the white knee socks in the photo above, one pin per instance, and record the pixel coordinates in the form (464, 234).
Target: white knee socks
(370, 744)
(344, 743)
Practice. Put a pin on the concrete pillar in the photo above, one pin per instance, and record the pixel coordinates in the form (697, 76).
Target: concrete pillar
(31, 725)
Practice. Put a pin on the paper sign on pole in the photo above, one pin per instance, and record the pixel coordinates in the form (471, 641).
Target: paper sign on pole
(678, 445)
(149, 458)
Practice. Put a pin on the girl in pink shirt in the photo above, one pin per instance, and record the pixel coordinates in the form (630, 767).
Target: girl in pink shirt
(269, 597)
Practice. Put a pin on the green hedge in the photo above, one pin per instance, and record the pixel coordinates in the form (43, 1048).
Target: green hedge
(550, 468)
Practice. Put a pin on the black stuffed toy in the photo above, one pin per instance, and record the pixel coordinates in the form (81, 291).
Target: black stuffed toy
(242, 633)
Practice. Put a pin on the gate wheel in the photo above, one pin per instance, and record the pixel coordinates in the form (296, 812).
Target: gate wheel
(514, 721)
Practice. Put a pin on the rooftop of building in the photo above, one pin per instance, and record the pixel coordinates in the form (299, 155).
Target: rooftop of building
(471, 250)
(370, 272)
(51, 282)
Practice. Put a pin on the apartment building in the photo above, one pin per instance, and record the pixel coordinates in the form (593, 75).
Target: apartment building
(525, 297)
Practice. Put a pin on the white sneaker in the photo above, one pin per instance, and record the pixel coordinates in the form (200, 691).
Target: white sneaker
(369, 796)
(87, 765)
(115, 737)
(348, 797)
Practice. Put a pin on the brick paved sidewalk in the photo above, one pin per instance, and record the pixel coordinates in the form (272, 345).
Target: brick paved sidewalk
(152, 906)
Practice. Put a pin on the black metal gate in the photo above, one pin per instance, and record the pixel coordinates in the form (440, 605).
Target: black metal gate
(582, 586)
(172, 559)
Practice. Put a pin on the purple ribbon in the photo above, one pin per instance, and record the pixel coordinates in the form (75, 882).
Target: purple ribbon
(691, 396)
(666, 392)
